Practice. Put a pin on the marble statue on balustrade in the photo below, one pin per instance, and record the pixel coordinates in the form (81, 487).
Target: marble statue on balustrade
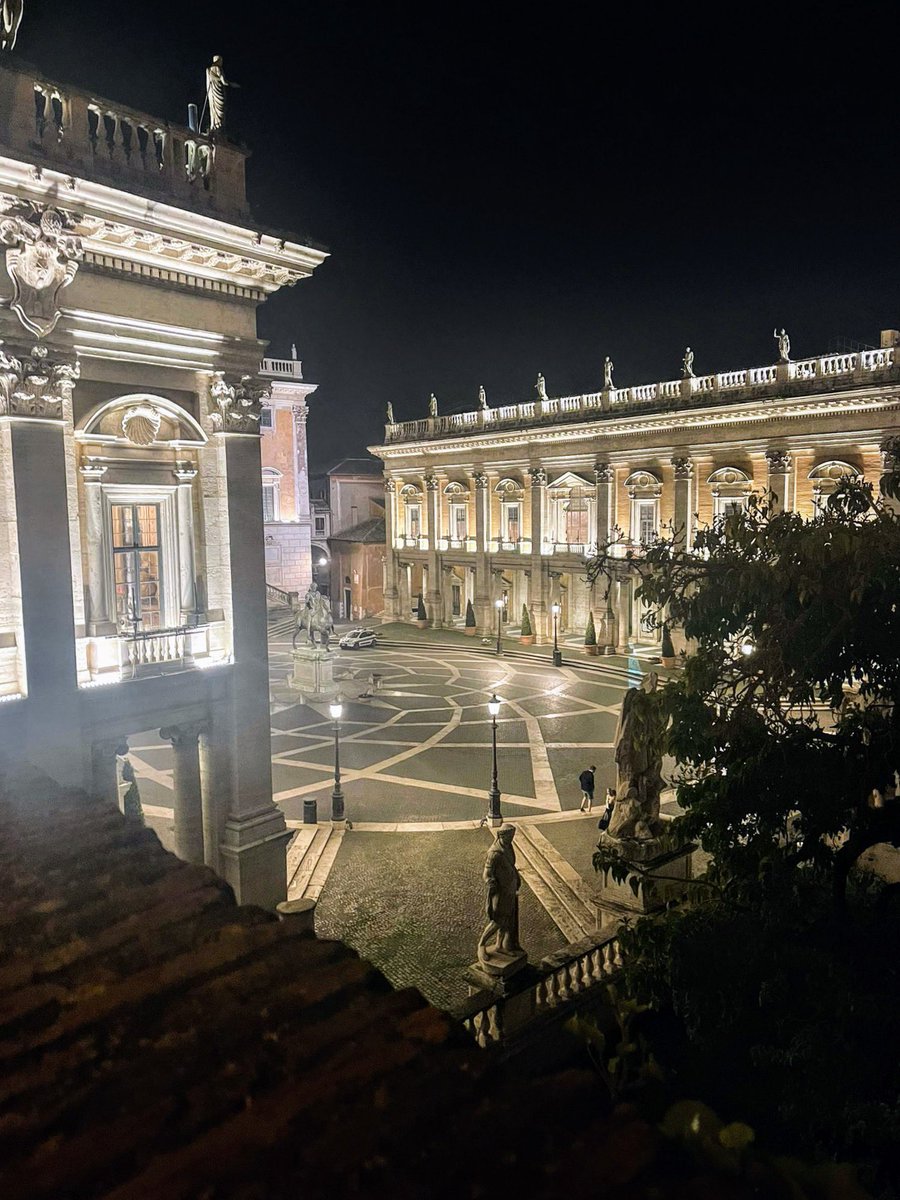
(315, 617)
(687, 364)
(608, 368)
(784, 345)
(541, 387)
(499, 952)
(10, 19)
(482, 398)
(432, 405)
(639, 744)
(216, 83)
(390, 413)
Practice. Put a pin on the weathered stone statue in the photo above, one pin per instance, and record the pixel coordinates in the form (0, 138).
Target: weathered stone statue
(608, 368)
(639, 745)
(541, 387)
(315, 617)
(687, 364)
(216, 83)
(784, 345)
(432, 405)
(482, 398)
(499, 944)
(390, 413)
(10, 19)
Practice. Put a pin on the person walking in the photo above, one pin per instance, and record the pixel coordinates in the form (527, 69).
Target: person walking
(586, 782)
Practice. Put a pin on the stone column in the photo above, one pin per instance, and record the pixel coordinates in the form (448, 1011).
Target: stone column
(621, 600)
(890, 460)
(36, 399)
(433, 600)
(482, 599)
(99, 623)
(187, 802)
(604, 478)
(252, 851)
(104, 769)
(185, 473)
(391, 595)
(780, 466)
(538, 578)
(684, 502)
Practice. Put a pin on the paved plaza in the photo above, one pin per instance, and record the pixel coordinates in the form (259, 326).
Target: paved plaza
(405, 886)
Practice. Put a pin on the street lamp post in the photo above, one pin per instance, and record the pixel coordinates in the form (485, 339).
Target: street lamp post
(499, 606)
(336, 708)
(557, 653)
(494, 816)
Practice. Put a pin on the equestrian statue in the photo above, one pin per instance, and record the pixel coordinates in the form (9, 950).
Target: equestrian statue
(315, 617)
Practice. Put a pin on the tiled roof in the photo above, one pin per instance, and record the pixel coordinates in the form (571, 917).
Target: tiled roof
(369, 531)
(358, 466)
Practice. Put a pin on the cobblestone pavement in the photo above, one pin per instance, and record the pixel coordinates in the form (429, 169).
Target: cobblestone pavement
(414, 906)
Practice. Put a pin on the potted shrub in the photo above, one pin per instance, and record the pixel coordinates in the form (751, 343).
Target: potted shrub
(470, 628)
(669, 658)
(590, 636)
(526, 636)
(421, 614)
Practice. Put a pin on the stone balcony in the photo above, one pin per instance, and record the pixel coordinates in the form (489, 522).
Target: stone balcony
(811, 376)
(142, 653)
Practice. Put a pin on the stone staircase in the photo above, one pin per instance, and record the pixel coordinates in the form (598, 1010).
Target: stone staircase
(558, 886)
(310, 857)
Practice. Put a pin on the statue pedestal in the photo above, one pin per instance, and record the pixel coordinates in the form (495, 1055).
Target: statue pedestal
(638, 896)
(313, 674)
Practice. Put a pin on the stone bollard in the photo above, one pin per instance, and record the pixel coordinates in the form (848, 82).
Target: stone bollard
(298, 915)
(310, 812)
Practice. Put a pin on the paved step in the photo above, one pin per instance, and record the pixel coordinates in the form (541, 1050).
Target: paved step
(598, 667)
(308, 861)
(565, 895)
(297, 848)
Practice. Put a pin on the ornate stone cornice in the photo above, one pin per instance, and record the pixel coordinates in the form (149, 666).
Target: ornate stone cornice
(184, 471)
(780, 461)
(390, 486)
(35, 386)
(538, 476)
(92, 469)
(42, 258)
(683, 467)
(603, 473)
(236, 406)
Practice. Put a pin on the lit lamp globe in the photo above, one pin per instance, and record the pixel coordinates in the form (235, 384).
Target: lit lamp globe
(498, 604)
(336, 708)
(747, 647)
(494, 705)
(555, 609)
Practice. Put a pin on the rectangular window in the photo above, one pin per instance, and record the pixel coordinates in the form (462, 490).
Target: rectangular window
(458, 523)
(725, 506)
(647, 520)
(137, 565)
(413, 520)
(511, 520)
(320, 525)
(266, 418)
(576, 525)
(456, 599)
(268, 494)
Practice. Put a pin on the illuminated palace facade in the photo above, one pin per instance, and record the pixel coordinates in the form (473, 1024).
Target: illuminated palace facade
(506, 503)
(132, 555)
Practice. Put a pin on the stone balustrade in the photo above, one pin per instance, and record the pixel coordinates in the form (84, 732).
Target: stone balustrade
(279, 368)
(855, 368)
(152, 651)
(563, 978)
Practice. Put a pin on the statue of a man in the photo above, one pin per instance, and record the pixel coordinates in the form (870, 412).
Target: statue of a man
(216, 83)
(608, 368)
(432, 405)
(501, 934)
(482, 398)
(541, 387)
(390, 413)
(639, 744)
(784, 345)
(687, 364)
(10, 19)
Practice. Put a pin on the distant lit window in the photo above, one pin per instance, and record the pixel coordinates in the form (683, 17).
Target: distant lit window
(266, 418)
(268, 501)
(136, 551)
(271, 487)
(320, 524)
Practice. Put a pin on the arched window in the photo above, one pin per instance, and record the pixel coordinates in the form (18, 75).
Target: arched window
(825, 478)
(730, 489)
(644, 489)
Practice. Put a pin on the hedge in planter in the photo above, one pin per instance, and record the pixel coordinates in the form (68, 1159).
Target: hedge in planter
(590, 634)
(527, 631)
(470, 615)
(421, 614)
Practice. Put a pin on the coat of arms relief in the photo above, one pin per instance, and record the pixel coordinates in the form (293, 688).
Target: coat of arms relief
(42, 258)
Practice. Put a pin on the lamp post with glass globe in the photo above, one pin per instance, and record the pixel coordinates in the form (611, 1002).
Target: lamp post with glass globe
(336, 708)
(557, 653)
(498, 604)
(494, 816)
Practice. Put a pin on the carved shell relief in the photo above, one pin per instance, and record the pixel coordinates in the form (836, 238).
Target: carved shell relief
(140, 424)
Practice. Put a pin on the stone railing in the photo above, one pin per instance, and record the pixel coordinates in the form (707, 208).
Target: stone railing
(563, 979)
(153, 651)
(854, 369)
(292, 368)
(277, 595)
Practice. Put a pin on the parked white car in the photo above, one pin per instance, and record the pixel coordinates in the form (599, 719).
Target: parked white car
(356, 639)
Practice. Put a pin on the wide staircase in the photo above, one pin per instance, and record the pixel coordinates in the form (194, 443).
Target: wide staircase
(310, 857)
(558, 886)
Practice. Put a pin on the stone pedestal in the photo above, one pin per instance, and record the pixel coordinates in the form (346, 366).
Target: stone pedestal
(313, 674)
(497, 972)
(669, 866)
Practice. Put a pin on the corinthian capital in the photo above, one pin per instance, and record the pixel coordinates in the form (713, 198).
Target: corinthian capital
(603, 473)
(538, 476)
(236, 407)
(683, 467)
(35, 386)
(480, 480)
(431, 483)
(779, 461)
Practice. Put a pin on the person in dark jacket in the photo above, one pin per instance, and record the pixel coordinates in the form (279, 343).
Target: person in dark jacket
(586, 782)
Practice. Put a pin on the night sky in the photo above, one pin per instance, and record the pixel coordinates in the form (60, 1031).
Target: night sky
(508, 189)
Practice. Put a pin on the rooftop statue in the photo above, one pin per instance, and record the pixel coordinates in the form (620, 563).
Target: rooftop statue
(541, 387)
(608, 368)
(482, 398)
(390, 413)
(216, 83)
(10, 19)
(687, 364)
(784, 345)
(432, 405)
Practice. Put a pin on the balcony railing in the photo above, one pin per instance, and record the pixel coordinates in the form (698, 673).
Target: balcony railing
(155, 651)
(292, 368)
(725, 386)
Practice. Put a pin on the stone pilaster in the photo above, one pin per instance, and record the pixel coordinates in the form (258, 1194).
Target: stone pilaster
(780, 467)
(482, 599)
(538, 596)
(99, 622)
(391, 594)
(890, 463)
(684, 501)
(104, 770)
(187, 796)
(604, 480)
(433, 600)
(185, 472)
